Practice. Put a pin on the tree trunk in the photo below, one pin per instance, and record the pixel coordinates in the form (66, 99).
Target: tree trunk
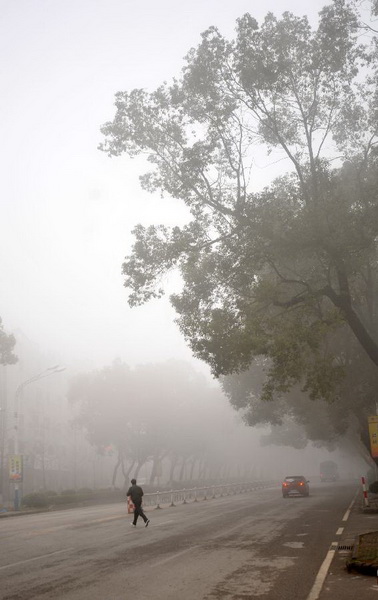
(344, 303)
(173, 466)
(139, 466)
(194, 461)
(114, 478)
(153, 470)
(126, 474)
(200, 470)
(182, 470)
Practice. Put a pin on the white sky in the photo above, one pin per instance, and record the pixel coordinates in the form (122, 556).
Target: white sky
(67, 209)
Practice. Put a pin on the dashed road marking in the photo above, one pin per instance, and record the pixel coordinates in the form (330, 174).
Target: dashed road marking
(83, 525)
(323, 571)
(165, 560)
(294, 544)
(346, 516)
(23, 562)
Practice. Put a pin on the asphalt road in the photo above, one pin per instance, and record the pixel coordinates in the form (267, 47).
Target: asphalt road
(252, 545)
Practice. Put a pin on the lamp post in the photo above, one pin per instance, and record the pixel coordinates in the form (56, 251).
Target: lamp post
(17, 472)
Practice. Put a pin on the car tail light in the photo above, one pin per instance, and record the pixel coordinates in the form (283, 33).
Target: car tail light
(301, 483)
(285, 484)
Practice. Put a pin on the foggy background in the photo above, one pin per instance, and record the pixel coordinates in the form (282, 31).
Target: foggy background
(68, 210)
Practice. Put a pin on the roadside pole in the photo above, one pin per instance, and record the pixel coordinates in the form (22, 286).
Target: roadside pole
(16, 468)
(364, 491)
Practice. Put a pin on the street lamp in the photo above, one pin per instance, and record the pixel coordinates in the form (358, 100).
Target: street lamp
(18, 471)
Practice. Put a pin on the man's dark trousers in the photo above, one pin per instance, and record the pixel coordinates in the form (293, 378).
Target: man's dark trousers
(138, 512)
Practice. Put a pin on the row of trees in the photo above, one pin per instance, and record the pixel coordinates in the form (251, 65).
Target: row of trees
(279, 285)
(160, 416)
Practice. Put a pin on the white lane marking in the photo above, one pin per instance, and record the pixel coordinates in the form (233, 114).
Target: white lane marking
(165, 560)
(322, 574)
(133, 529)
(229, 531)
(346, 516)
(71, 526)
(23, 562)
(340, 530)
(100, 520)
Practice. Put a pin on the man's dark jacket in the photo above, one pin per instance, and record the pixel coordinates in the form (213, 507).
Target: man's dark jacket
(135, 492)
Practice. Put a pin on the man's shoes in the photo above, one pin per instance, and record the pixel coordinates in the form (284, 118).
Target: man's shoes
(148, 520)
(133, 524)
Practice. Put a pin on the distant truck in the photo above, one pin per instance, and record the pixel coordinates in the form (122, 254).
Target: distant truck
(329, 471)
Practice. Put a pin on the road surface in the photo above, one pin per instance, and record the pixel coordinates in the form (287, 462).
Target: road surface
(252, 545)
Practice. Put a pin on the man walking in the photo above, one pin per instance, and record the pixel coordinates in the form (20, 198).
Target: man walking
(135, 492)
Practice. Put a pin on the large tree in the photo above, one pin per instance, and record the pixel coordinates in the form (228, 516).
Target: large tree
(277, 273)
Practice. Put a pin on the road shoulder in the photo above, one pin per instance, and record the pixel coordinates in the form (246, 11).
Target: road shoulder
(339, 583)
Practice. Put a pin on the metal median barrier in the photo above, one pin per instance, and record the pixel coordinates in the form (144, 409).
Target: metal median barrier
(197, 494)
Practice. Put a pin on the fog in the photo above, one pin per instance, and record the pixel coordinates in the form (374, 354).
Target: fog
(67, 208)
(68, 211)
(161, 422)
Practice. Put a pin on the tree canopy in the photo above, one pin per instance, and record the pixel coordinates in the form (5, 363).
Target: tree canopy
(287, 272)
(157, 412)
(7, 344)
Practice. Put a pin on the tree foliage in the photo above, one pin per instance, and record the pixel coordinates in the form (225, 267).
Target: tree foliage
(152, 413)
(295, 419)
(7, 344)
(283, 272)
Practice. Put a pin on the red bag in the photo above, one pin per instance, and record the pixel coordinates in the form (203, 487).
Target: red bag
(130, 505)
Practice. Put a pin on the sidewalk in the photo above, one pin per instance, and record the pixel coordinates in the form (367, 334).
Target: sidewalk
(339, 583)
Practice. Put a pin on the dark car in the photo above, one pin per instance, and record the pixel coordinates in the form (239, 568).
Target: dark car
(295, 484)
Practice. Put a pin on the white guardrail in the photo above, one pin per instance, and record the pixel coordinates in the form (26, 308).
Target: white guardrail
(186, 495)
